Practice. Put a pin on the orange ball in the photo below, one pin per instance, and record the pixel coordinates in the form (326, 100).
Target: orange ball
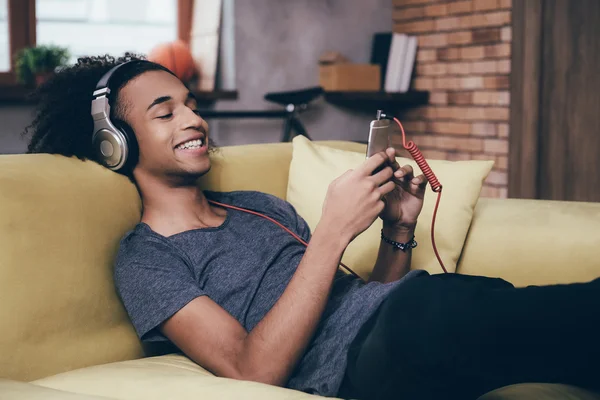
(177, 57)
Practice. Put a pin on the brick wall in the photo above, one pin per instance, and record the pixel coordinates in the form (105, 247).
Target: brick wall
(463, 59)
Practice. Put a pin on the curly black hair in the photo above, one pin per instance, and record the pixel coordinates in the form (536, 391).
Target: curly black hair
(63, 123)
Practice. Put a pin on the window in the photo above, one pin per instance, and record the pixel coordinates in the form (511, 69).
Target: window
(91, 27)
(4, 42)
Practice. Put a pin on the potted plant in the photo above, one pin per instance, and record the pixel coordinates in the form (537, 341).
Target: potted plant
(36, 64)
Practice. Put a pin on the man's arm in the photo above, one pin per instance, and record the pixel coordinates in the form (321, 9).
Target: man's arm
(268, 354)
(392, 264)
(214, 339)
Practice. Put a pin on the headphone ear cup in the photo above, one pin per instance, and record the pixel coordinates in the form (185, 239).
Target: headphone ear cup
(132, 146)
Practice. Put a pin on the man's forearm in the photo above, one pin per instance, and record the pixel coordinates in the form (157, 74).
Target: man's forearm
(274, 346)
(392, 264)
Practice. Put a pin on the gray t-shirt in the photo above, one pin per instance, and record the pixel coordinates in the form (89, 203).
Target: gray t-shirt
(244, 265)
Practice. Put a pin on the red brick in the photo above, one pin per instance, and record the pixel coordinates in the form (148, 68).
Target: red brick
(497, 178)
(482, 157)
(423, 83)
(484, 114)
(414, 126)
(438, 98)
(435, 10)
(483, 129)
(495, 146)
(432, 154)
(486, 35)
(426, 55)
(496, 82)
(454, 128)
(447, 83)
(434, 40)
(404, 14)
(431, 69)
(446, 24)
(484, 5)
(500, 98)
(461, 37)
(503, 66)
(503, 130)
(460, 98)
(506, 34)
(458, 68)
(404, 3)
(471, 82)
(472, 53)
(497, 18)
(502, 163)
(446, 142)
(415, 27)
(506, 4)
(458, 156)
(460, 7)
(449, 53)
(497, 50)
(483, 67)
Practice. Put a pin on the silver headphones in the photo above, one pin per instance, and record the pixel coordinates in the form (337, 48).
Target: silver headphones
(114, 143)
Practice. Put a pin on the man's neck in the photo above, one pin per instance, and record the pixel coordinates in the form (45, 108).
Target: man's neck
(170, 209)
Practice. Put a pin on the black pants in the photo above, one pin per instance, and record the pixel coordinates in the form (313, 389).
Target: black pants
(457, 337)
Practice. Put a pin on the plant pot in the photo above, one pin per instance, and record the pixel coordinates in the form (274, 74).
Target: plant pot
(42, 77)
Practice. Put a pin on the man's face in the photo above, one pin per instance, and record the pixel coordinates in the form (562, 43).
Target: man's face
(172, 137)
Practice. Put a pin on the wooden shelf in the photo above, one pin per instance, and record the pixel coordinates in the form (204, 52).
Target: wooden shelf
(371, 101)
(19, 94)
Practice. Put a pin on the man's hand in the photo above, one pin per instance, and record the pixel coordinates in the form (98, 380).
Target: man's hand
(404, 203)
(354, 200)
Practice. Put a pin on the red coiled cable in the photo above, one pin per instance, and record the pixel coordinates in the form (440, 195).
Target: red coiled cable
(419, 158)
(416, 154)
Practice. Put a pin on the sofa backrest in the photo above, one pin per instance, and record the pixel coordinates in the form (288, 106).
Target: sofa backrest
(60, 224)
(61, 220)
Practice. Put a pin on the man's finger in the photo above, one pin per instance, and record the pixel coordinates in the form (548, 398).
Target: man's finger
(372, 163)
(404, 173)
(383, 176)
(419, 181)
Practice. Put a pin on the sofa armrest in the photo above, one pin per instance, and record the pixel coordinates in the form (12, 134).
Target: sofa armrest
(14, 390)
(533, 242)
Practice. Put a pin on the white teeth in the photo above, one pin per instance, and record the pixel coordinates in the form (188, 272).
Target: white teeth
(192, 144)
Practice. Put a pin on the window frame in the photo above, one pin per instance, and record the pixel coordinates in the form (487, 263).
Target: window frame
(22, 30)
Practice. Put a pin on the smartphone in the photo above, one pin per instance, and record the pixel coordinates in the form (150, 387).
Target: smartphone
(379, 136)
(379, 139)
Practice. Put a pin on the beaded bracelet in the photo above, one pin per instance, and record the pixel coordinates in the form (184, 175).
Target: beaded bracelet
(411, 244)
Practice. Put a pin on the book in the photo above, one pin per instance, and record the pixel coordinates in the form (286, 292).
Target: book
(380, 52)
(395, 62)
(409, 64)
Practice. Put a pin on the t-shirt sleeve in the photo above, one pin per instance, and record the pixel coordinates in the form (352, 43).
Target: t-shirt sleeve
(154, 282)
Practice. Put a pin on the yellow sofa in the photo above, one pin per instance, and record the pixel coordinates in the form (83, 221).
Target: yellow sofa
(65, 334)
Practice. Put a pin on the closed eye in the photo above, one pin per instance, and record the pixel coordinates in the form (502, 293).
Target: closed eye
(166, 116)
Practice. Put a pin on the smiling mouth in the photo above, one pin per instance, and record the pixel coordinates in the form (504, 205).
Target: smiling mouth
(191, 144)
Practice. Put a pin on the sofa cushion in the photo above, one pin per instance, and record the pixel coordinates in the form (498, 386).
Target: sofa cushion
(13, 390)
(262, 167)
(61, 220)
(314, 166)
(533, 242)
(165, 377)
(540, 391)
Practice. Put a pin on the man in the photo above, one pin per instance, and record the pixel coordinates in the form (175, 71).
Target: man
(245, 300)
